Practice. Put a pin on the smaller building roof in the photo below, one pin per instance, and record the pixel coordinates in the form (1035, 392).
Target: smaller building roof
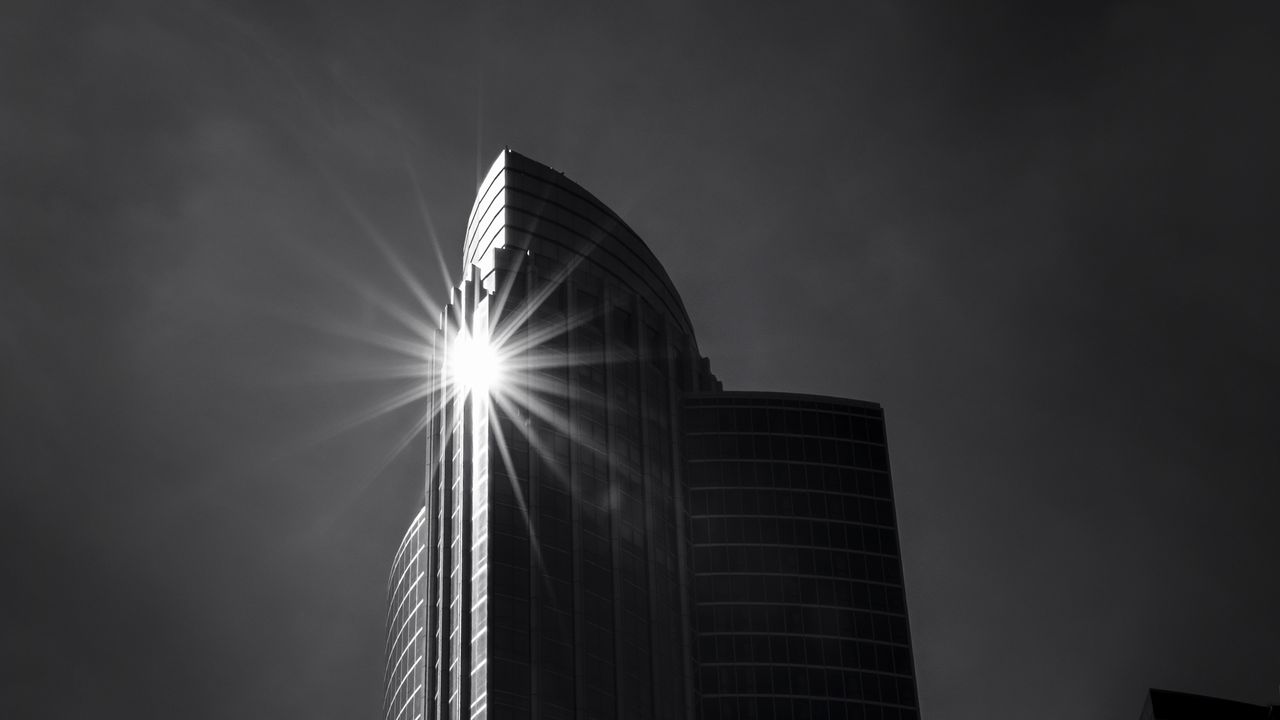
(1171, 705)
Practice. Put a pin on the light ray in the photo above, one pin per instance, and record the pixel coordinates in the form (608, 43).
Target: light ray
(544, 412)
(548, 387)
(507, 405)
(403, 371)
(547, 359)
(430, 226)
(413, 348)
(515, 488)
(479, 119)
(509, 325)
(537, 337)
(504, 293)
(419, 391)
(380, 241)
(388, 457)
(410, 320)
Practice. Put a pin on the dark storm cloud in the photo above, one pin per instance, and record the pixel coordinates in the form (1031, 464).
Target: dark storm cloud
(1042, 239)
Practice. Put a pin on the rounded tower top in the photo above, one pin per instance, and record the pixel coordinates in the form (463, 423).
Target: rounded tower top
(523, 203)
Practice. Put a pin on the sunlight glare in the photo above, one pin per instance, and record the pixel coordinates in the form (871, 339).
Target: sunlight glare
(474, 364)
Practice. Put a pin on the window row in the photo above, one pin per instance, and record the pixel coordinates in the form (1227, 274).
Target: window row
(786, 447)
(785, 589)
(766, 708)
(804, 620)
(786, 531)
(796, 561)
(779, 420)
(805, 650)
(820, 682)
(792, 504)
(783, 475)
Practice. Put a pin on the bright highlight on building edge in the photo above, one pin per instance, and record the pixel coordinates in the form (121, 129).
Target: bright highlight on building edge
(473, 364)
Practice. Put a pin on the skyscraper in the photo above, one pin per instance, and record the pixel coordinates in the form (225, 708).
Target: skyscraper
(562, 570)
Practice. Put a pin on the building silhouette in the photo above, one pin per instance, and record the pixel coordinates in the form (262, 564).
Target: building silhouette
(609, 534)
(1170, 705)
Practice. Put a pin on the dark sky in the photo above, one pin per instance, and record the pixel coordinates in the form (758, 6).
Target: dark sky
(1042, 235)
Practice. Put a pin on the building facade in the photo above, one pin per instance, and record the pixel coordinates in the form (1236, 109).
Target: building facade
(797, 577)
(406, 621)
(565, 573)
